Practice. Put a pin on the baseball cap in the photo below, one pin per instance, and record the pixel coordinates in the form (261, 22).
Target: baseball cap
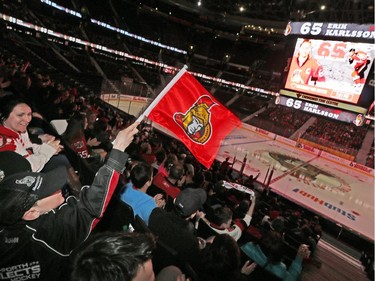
(190, 200)
(12, 163)
(20, 191)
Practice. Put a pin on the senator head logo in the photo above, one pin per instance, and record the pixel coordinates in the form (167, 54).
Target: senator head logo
(196, 122)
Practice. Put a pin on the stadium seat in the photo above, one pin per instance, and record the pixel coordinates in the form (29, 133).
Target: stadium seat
(204, 230)
(117, 217)
(139, 225)
(290, 253)
(261, 274)
(164, 255)
(59, 125)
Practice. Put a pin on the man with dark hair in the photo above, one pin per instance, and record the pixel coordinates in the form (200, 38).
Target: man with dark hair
(187, 179)
(146, 154)
(135, 192)
(221, 261)
(160, 157)
(174, 228)
(114, 256)
(222, 221)
(38, 230)
(169, 183)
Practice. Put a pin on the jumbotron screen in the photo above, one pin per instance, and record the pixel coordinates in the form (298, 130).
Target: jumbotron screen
(331, 69)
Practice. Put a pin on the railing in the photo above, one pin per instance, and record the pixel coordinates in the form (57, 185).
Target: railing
(126, 88)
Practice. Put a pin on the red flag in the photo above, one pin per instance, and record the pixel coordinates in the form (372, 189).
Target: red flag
(188, 110)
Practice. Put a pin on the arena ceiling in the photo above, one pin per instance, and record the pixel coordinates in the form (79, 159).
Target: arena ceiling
(275, 13)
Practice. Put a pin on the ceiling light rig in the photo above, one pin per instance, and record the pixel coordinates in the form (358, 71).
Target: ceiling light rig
(259, 29)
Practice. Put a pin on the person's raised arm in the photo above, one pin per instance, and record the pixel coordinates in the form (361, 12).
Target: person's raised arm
(295, 268)
(250, 211)
(252, 206)
(125, 137)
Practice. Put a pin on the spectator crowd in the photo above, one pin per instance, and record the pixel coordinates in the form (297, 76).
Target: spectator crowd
(58, 183)
(171, 193)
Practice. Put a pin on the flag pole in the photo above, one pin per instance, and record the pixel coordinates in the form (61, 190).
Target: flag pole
(162, 93)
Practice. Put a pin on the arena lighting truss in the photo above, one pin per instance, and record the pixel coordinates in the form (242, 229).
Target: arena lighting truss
(246, 28)
(143, 60)
(126, 33)
(110, 27)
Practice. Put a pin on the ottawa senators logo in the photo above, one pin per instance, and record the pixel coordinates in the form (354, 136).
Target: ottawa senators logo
(196, 121)
(288, 29)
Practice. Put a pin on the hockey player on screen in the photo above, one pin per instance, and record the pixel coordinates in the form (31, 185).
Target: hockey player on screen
(361, 62)
(304, 68)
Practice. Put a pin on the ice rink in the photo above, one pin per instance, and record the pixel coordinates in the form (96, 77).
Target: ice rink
(336, 189)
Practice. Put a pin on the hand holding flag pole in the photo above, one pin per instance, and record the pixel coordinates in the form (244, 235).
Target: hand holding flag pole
(162, 93)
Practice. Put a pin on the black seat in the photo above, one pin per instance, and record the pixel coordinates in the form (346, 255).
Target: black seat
(117, 217)
(290, 253)
(164, 255)
(139, 225)
(190, 272)
(262, 274)
(153, 190)
(204, 230)
(292, 239)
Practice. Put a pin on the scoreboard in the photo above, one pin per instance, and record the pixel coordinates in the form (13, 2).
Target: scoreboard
(339, 30)
(329, 70)
(321, 110)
